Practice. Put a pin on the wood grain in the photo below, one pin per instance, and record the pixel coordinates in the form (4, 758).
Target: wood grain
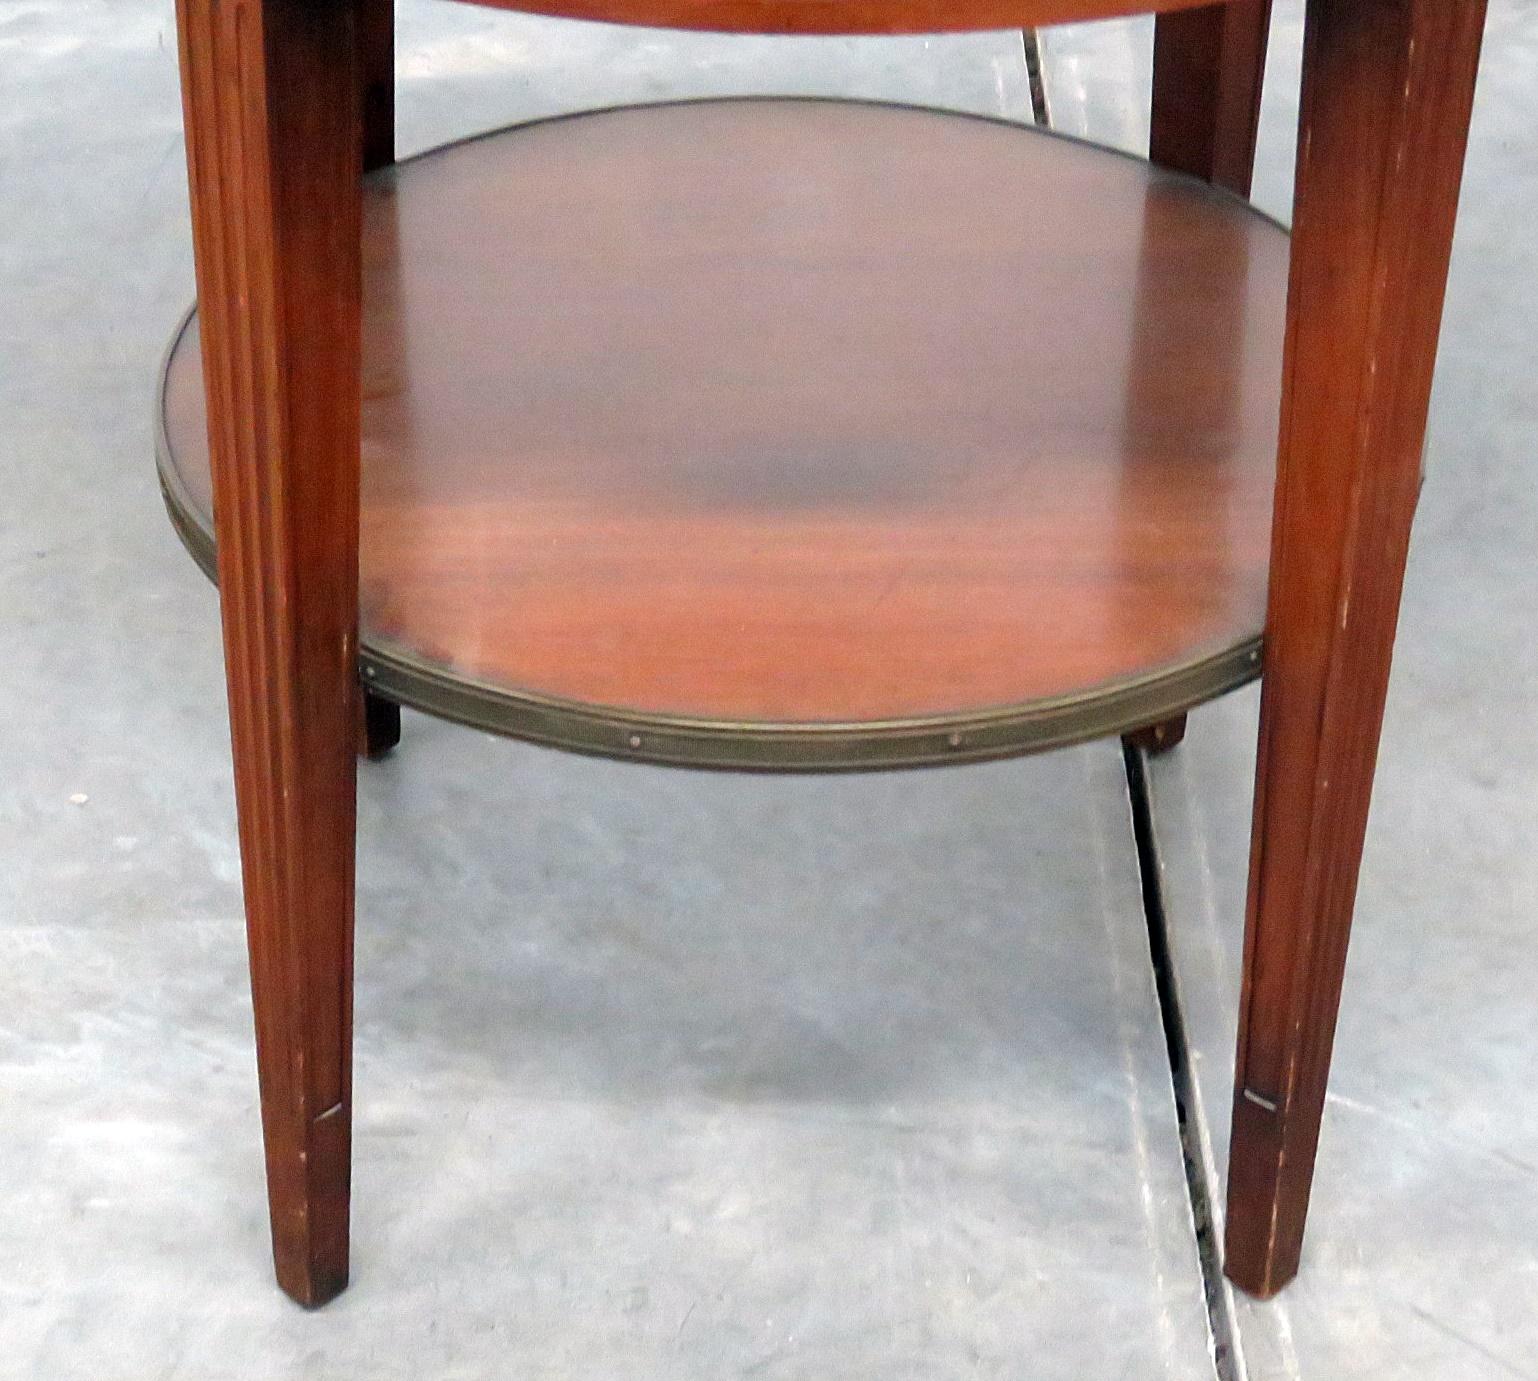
(274, 147)
(1387, 92)
(807, 412)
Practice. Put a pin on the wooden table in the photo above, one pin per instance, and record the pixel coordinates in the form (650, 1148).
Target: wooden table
(807, 435)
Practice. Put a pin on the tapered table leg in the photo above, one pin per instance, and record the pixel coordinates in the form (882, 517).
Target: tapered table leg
(1209, 65)
(273, 140)
(1387, 89)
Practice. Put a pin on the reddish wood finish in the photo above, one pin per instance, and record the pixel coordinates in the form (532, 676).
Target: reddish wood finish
(840, 16)
(754, 445)
(1387, 90)
(273, 144)
(1207, 72)
(679, 321)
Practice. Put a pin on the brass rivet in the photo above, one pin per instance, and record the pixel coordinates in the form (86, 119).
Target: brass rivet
(635, 740)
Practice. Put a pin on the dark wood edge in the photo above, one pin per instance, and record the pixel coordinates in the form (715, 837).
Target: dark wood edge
(1035, 726)
(839, 17)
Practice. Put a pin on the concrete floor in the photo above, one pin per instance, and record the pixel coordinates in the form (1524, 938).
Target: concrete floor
(673, 1075)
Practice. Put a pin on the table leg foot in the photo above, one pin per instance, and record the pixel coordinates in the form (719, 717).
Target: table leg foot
(1158, 738)
(381, 731)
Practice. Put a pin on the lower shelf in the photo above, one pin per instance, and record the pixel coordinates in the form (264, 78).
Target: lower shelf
(802, 434)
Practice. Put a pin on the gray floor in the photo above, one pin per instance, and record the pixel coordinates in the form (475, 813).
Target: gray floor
(673, 1075)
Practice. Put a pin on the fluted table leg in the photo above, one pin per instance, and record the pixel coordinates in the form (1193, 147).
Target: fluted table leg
(1387, 90)
(274, 152)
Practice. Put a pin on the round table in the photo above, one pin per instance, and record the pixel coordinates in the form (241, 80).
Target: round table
(787, 434)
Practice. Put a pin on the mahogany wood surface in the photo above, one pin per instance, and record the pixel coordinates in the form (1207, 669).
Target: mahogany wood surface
(273, 152)
(804, 411)
(840, 16)
(1387, 90)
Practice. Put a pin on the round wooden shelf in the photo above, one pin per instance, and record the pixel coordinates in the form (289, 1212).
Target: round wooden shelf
(802, 434)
